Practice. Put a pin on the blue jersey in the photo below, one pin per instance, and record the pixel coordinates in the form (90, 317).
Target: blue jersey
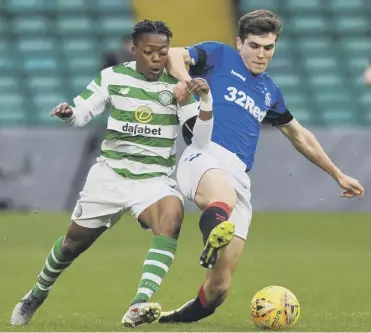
(241, 100)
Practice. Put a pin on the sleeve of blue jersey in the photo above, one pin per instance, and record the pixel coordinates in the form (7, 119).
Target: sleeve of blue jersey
(213, 51)
(278, 114)
(193, 54)
(279, 105)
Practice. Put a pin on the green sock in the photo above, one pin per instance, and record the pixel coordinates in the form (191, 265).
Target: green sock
(158, 261)
(55, 264)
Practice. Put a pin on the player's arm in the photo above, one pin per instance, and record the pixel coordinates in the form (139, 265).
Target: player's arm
(179, 58)
(197, 125)
(367, 75)
(89, 104)
(203, 127)
(307, 144)
(200, 58)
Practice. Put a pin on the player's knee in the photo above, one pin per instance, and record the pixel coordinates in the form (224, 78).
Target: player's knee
(227, 195)
(169, 224)
(71, 249)
(228, 198)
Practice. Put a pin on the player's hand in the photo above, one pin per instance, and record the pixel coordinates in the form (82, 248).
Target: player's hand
(62, 111)
(181, 93)
(183, 90)
(351, 186)
(198, 86)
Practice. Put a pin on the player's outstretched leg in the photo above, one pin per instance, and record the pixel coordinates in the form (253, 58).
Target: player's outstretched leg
(165, 218)
(64, 251)
(214, 290)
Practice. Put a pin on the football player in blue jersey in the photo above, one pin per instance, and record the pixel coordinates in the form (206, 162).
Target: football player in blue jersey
(216, 177)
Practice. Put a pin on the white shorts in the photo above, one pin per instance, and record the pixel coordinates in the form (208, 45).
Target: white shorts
(195, 162)
(106, 195)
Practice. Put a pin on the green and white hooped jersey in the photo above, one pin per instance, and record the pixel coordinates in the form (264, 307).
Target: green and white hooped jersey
(143, 122)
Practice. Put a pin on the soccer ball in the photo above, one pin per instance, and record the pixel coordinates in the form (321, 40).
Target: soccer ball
(274, 308)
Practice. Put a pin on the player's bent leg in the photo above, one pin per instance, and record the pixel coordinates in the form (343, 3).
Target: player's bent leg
(100, 205)
(80, 236)
(164, 217)
(213, 291)
(61, 256)
(216, 196)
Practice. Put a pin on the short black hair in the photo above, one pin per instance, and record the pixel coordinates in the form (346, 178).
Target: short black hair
(148, 26)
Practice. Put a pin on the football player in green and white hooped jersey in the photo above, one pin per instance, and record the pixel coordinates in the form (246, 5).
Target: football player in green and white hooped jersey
(132, 172)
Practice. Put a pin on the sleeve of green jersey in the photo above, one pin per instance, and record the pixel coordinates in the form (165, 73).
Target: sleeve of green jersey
(95, 98)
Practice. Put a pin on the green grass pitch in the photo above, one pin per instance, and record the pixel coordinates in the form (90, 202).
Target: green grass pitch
(325, 259)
